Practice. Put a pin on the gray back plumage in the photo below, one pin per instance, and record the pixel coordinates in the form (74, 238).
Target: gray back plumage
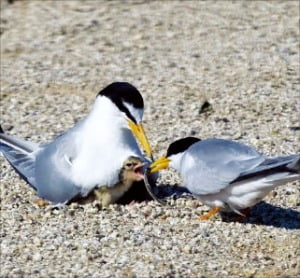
(211, 165)
(29, 160)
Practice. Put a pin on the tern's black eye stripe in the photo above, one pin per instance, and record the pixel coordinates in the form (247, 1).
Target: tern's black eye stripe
(123, 92)
(124, 109)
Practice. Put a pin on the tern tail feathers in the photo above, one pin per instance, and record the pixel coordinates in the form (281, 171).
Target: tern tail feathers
(277, 168)
(295, 165)
(19, 154)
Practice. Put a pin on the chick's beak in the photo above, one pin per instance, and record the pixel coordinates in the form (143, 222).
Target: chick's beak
(139, 133)
(138, 169)
(159, 164)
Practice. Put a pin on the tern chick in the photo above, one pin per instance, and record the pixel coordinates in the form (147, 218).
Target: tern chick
(89, 154)
(131, 171)
(227, 175)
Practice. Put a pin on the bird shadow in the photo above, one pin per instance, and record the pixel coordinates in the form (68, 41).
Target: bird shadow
(261, 214)
(138, 193)
(268, 215)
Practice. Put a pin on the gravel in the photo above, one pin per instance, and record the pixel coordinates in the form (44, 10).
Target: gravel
(207, 69)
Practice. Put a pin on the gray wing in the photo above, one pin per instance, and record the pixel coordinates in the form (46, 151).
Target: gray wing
(53, 171)
(289, 164)
(210, 165)
(35, 164)
(21, 156)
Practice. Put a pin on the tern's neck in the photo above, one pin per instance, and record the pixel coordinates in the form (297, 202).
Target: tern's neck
(107, 126)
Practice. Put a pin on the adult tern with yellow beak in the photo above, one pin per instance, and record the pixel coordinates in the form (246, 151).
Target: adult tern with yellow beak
(87, 156)
(227, 175)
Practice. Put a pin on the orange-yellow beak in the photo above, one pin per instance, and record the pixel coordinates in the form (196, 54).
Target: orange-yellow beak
(139, 133)
(159, 164)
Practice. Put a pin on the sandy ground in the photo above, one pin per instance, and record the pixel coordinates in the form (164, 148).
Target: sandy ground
(242, 57)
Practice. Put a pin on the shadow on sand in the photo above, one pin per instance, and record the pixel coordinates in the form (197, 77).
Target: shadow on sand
(260, 214)
(138, 192)
(268, 215)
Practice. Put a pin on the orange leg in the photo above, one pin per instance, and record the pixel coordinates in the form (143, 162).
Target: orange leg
(246, 212)
(243, 215)
(208, 215)
(42, 203)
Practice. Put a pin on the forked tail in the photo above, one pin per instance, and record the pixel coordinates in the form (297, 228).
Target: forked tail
(20, 154)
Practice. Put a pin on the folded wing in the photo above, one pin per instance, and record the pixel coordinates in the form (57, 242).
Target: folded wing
(210, 165)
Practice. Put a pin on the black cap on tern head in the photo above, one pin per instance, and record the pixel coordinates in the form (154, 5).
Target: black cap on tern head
(123, 92)
(181, 145)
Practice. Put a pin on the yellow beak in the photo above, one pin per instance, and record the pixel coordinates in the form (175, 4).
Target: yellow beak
(139, 133)
(159, 164)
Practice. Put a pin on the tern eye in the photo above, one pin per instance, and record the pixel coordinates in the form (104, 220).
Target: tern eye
(129, 165)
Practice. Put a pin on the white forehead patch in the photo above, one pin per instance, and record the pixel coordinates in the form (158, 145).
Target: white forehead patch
(137, 113)
(175, 160)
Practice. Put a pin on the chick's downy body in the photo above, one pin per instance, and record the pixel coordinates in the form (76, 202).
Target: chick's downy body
(131, 171)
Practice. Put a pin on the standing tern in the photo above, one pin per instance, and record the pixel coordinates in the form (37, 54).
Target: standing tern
(87, 156)
(227, 175)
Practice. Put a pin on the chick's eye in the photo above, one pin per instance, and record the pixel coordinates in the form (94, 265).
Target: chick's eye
(129, 165)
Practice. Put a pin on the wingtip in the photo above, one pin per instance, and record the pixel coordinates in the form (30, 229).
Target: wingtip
(295, 164)
(1, 129)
